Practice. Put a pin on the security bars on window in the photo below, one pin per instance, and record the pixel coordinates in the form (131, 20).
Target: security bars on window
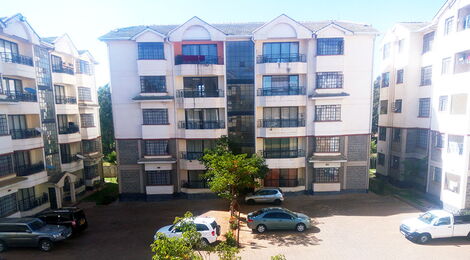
(327, 144)
(156, 147)
(84, 94)
(87, 120)
(326, 175)
(150, 51)
(152, 84)
(158, 177)
(155, 116)
(3, 125)
(330, 46)
(327, 113)
(326, 80)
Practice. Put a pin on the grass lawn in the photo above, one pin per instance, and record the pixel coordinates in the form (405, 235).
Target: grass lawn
(106, 195)
(111, 180)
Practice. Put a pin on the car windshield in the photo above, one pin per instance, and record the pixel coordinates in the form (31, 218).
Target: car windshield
(257, 213)
(37, 224)
(427, 217)
(291, 212)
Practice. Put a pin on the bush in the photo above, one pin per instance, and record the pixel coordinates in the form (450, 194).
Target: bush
(233, 222)
(227, 252)
(278, 257)
(376, 185)
(230, 239)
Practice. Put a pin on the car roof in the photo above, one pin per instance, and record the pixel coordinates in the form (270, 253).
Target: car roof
(203, 220)
(274, 209)
(62, 210)
(16, 220)
(440, 213)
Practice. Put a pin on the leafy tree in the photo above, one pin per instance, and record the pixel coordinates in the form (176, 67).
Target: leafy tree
(106, 119)
(229, 174)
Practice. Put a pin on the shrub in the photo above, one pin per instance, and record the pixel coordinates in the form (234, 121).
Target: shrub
(233, 222)
(230, 239)
(278, 257)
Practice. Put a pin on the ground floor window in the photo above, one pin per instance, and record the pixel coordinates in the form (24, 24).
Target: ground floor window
(281, 178)
(8, 205)
(158, 177)
(91, 171)
(452, 182)
(326, 175)
(196, 180)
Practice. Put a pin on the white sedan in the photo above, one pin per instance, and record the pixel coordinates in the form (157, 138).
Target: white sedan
(206, 226)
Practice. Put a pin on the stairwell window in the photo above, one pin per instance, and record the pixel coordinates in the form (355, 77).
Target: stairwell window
(400, 76)
(87, 120)
(424, 107)
(84, 94)
(395, 162)
(397, 106)
(385, 79)
(448, 25)
(156, 147)
(155, 116)
(328, 80)
(382, 133)
(159, 177)
(150, 51)
(426, 76)
(327, 144)
(4, 125)
(324, 113)
(386, 51)
(383, 107)
(396, 135)
(436, 174)
(446, 66)
(422, 138)
(6, 165)
(428, 40)
(443, 103)
(381, 159)
(326, 175)
(152, 84)
(330, 46)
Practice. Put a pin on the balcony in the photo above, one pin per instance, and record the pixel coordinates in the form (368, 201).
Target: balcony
(201, 99)
(275, 64)
(191, 155)
(198, 59)
(24, 133)
(216, 124)
(281, 128)
(194, 65)
(16, 58)
(63, 75)
(69, 158)
(25, 170)
(281, 154)
(21, 96)
(286, 96)
(17, 65)
(281, 123)
(63, 100)
(31, 203)
(284, 91)
(281, 59)
(63, 69)
(201, 184)
(71, 129)
(199, 94)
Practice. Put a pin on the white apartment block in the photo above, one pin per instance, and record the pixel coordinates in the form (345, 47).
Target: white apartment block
(424, 112)
(297, 93)
(50, 148)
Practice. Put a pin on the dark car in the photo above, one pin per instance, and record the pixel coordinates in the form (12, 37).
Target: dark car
(71, 217)
(30, 232)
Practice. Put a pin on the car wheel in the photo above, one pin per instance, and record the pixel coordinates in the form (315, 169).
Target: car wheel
(204, 243)
(3, 246)
(250, 202)
(300, 227)
(261, 228)
(468, 236)
(424, 238)
(45, 245)
(277, 202)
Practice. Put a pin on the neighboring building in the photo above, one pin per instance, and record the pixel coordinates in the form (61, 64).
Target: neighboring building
(428, 113)
(297, 93)
(49, 128)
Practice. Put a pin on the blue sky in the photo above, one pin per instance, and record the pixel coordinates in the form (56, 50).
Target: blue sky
(86, 20)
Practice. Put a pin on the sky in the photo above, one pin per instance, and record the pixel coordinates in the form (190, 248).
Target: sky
(86, 20)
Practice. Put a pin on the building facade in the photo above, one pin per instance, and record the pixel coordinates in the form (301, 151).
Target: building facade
(424, 119)
(50, 149)
(299, 94)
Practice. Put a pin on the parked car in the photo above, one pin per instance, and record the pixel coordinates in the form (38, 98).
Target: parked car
(435, 224)
(265, 195)
(206, 226)
(277, 218)
(70, 216)
(30, 232)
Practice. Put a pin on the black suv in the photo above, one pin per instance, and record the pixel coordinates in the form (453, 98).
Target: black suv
(71, 217)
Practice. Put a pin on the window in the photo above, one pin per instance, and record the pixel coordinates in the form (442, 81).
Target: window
(66, 153)
(155, 116)
(84, 94)
(83, 67)
(201, 227)
(466, 22)
(91, 172)
(396, 134)
(152, 84)
(437, 174)
(386, 51)
(452, 182)
(397, 106)
(281, 85)
(383, 107)
(91, 146)
(201, 87)
(195, 148)
(395, 162)
(327, 113)
(11, 87)
(280, 52)
(197, 180)
(428, 40)
(326, 175)
(3, 125)
(330, 46)
(445, 66)
(382, 133)
(448, 25)
(87, 120)
(156, 147)
(464, 18)
(150, 51)
(9, 49)
(8, 205)
(327, 144)
(426, 76)
(198, 54)
(422, 138)
(438, 139)
(329, 80)
(424, 107)
(281, 178)
(443, 103)
(462, 62)
(381, 159)
(385, 79)
(281, 148)
(6, 165)
(400, 76)
(203, 118)
(400, 45)
(455, 144)
(281, 117)
(458, 104)
(158, 177)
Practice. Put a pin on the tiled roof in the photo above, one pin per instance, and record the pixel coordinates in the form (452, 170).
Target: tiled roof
(235, 28)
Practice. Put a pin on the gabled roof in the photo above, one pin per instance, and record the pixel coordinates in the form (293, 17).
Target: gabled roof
(18, 17)
(197, 19)
(414, 26)
(280, 16)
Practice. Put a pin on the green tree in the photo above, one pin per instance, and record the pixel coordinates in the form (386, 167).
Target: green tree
(106, 119)
(229, 174)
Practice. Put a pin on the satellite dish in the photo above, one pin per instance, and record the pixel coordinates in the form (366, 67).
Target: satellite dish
(79, 156)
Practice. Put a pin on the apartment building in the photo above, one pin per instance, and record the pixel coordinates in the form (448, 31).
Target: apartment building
(50, 150)
(297, 93)
(424, 118)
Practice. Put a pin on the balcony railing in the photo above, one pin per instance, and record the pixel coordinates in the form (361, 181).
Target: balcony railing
(16, 58)
(281, 123)
(31, 203)
(68, 158)
(198, 59)
(191, 155)
(24, 133)
(285, 91)
(199, 94)
(65, 100)
(281, 58)
(71, 129)
(281, 183)
(25, 170)
(63, 69)
(22, 96)
(202, 184)
(218, 124)
(272, 154)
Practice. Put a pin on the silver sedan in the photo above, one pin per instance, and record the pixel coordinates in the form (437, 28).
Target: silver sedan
(265, 195)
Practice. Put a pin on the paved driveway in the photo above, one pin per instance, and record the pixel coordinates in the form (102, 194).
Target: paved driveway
(353, 226)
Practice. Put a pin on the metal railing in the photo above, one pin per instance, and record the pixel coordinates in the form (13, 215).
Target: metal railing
(272, 154)
(68, 158)
(217, 124)
(281, 123)
(25, 170)
(284, 91)
(281, 183)
(282, 58)
(191, 155)
(63, 69)
(198, 59)
(65, 100)
(201, 184)
(71, 129)
(22, 96)
(24, 133)
(186, 93)
(16, 58)
(31, 203)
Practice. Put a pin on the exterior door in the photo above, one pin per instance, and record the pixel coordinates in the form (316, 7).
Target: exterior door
(52, 198)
